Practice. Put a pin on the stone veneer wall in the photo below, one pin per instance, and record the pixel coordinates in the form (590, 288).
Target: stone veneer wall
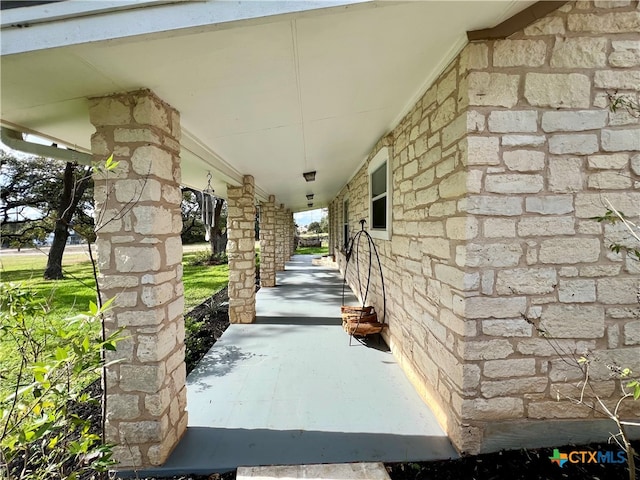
(268, 243)
(138, 225)
(241, 251)
(497, 171)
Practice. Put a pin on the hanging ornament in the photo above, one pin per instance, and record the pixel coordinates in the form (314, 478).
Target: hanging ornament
(208, 207)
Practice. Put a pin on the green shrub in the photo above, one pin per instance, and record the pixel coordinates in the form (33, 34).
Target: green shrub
(43, 431)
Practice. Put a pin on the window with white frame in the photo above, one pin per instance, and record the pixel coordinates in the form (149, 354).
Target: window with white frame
(380, 195)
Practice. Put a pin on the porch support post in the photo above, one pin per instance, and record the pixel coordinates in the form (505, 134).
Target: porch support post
(280, 238)
(268, 243)
(138, 225)
(331, 228)
(289, 234)
(241, 251)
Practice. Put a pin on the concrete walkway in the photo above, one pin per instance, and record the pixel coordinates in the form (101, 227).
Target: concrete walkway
(289, 390)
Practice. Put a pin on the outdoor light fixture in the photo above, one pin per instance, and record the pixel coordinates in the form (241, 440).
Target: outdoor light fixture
(309, 176)
(310, 204)
(309, 196)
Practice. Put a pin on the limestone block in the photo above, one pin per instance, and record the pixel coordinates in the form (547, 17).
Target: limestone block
(513, 327)
(626, 53)
(518, 53)
(457, 278)
(444, 114)
(173, 250)
(573, 321)
(574, 121)
(526, 281)
(582, 144)
(132, 135)
(483, 150)
(136, 259)
(141, 378)
(618, 290)
(546, 226)
(499, 228)
(150, 111)
(146, 317)
(490, 255)
(493, 408)
(514, 183)
(475, 56)
(592, 204)
(155, 295)
(632, 333)
(462, 228)
(577, 291)
(154, 348)
(437, 247)
(557, 90)
(454, 185)
(609, 181)
(524, 160)
(445, 167)
(127, 456)
(546, 26)
(523, 140)
(614, 161)
(570, 250)
(493, 89)
(494, 205)
(513, 121)
(621, 140)
(151, 220)
(565, 174)
(147, 431)
(554, 409)
(171, 194)
(126, 299)
(617, 22)
(109, 111)
(520, 367)
(454, 130)
(542, 347)
(581, 52)
(446, 86)
(611, 3)
(475, 121)
(490, 307)
(599, 270)
(514, 386)
(152, 160)
(549, 204)
(618, 79)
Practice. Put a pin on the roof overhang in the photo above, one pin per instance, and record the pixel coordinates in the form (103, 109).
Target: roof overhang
(270, 89)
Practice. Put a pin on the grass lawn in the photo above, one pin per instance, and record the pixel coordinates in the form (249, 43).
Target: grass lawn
(71, 296)
(312, 250)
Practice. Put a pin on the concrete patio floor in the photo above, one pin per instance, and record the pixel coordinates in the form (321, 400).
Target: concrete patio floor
(289, 390)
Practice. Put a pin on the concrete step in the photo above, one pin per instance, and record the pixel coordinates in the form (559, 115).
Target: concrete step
(335, 471)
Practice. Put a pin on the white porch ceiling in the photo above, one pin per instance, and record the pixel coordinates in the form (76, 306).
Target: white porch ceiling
(272, 96)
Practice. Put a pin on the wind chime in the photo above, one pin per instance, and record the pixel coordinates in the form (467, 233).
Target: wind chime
(208, 208)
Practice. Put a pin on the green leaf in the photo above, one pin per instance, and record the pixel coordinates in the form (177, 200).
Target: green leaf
(61, 353)
(85, 344)
(93, 308)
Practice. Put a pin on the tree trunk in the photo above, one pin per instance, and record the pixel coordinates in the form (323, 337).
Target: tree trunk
(216, 232)
(72, 193)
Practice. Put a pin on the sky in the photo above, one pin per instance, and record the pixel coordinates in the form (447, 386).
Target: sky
(303, 219)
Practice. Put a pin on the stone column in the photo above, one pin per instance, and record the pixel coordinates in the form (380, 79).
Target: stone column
(280, 238)
(288, 235)
(138, 225)
(241, 251)
(332, 228)
(268, 243)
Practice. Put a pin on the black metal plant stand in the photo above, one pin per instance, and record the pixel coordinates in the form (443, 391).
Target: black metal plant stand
(354, 243)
